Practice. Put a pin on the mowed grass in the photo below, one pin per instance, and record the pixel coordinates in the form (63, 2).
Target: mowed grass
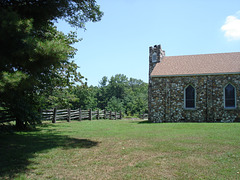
(122, 149)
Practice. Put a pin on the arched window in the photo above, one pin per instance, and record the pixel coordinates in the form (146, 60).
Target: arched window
(229, 96)
(189, 97)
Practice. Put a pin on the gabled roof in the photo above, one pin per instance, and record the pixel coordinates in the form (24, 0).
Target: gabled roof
(204, 64)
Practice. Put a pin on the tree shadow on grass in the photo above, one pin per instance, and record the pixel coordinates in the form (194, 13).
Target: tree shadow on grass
(17, 149)
(145, 122)
(142, 122)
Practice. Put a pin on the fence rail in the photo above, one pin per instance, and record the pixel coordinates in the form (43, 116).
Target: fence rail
(144, 116)
(78, 114)
(6, 116)
(69, 114)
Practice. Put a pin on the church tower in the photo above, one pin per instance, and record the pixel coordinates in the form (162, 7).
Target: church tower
(155, 56)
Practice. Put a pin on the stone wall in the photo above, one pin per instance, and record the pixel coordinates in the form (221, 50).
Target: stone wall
(166, 99)
(160, 54)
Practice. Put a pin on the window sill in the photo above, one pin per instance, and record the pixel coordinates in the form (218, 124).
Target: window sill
(230, 108)
(190, 109)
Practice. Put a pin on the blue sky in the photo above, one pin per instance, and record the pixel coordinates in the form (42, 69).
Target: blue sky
(119, 43)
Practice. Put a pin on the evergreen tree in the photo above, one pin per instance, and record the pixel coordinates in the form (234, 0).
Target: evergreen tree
(35, 56)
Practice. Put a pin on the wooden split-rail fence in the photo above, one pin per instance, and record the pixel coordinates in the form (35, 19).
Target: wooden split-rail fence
(69, 114)
(6, 117)
(78, 114)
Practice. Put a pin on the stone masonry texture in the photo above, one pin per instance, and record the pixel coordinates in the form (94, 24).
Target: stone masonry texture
(167, 99)
(166, 96)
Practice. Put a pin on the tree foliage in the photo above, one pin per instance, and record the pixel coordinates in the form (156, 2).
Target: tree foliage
(75, 12)
(86, 97)
(115, 104)
(35, 56)
(118, 93)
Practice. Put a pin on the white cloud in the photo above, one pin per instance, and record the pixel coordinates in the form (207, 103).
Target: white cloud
(232, 27)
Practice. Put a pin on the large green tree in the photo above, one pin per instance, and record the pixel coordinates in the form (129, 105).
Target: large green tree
(121, 93)
(86, 97)
(34, 55)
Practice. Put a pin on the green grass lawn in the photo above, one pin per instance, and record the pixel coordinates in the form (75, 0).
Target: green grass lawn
(122, 149)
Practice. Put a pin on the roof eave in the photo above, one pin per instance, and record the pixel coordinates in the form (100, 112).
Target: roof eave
(204, 74)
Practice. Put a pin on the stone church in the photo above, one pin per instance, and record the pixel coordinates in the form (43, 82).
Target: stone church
(193, 88)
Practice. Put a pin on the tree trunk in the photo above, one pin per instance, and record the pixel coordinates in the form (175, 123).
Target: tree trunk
(19, 124)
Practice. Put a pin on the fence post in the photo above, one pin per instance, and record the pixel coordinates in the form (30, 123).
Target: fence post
(120, 115)
(105, 114)
(115, 115)
(110, 115)
(54, 115)
(80, 114)
(98, 114)
(90, 114)
(69, 115)
(40, 113)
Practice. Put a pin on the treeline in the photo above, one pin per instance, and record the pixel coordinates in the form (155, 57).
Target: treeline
(119, 93)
